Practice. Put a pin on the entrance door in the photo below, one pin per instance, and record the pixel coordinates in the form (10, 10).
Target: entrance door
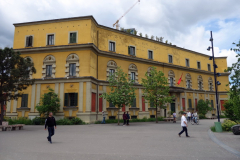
(173, 107)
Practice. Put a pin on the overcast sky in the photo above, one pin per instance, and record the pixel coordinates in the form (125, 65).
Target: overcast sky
(185, 23)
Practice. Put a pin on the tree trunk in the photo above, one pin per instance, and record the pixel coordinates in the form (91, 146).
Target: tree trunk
(1, 113)
(118, 116)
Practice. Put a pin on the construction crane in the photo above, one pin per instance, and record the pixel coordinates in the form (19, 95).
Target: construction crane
(117, 25)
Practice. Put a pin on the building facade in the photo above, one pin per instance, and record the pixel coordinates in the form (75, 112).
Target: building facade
(75, 56)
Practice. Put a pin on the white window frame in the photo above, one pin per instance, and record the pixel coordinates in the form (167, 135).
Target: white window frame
(26, 39)
(152, 54)
(135, 50)
(200, 65)
(186, 62)
(47, 39)
(169, 58)
(69, 36)
(109, 45)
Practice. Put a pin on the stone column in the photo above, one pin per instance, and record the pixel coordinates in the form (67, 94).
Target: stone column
(88, 96)
(33, 97)
(56, 88)
(38, 93)
(9, 106)
(104, 100)
(15, 105)
(140, 99)
(186, 106)
(61, 97)
(80, 97)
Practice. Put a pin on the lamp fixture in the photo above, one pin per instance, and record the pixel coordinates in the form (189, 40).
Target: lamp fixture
(218, 74)
(210, 58)
(215, 66)
(218, 83)
(209, 48)
(211, 39)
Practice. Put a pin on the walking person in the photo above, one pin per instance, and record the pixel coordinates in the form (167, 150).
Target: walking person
(188, 116)
(103, 115)
(128, 117)
(50, 122)
(184, 125)
(174, 117)
(124, 118)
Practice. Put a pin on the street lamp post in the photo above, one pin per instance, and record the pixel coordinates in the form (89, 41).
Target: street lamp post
(218, 126)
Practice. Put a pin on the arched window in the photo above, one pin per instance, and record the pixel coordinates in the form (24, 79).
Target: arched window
(72, 66)
(49, 65)
(188, 81)
(133, 72)
(210, 84)
(171, 78)
(111, 68)
(30, 72)
(200, 82)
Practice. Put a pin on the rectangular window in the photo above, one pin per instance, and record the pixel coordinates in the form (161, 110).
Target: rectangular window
(48, 70)
(133, 76)
(111, 72)
(170, 60)
(131, 50)
(171, 81)
(198, 65)
(29, 40)
(212, 105)
(151, 104)
(190, 103)
(150, 54)
(209, 67)
(72, 69)
(71, 99)
(133, 104)
(50, 39)
(188, 84)
(111, 46)
(187, 63)
(73, 37)
(24, 100)
(211, 88)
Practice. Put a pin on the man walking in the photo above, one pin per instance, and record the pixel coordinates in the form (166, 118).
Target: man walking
(103, 115)
(184, 125)
(50, 122)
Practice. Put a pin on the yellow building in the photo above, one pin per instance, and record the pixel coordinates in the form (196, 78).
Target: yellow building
(74, 56)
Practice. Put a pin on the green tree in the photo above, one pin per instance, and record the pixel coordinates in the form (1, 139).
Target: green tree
(203, 107)
(122, 90)
(49, 103)
(14, 75)
(232, 109)
(156, 89)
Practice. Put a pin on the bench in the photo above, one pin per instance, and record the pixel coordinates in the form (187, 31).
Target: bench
(168, 119)
(6, 127)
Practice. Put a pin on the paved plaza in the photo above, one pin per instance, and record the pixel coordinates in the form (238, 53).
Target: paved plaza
(139, 141)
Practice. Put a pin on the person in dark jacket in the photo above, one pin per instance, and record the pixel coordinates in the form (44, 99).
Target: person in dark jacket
(124, 118)
(50, 122)
(128, 117)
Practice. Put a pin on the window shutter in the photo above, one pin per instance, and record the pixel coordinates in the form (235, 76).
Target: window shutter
(134, 102)
(27, 40)
(66, 99)
(75, 99)
(190, 103)
(30, 41)
(22, 104)
(151, 104)
(129, 50)
(212, 104)
(74, 37)
(111, 105)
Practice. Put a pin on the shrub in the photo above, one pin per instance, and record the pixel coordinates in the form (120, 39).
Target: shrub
(38, 121)
(64, 121)
(20, 120)
(76, 121)
(201, 116)
(213, 129)
(227, 124)
(222, 116)
(181, 112)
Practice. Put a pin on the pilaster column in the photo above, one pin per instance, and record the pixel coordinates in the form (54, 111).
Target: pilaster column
(80, 97)
(104, 100)
(9, 106)
(186, 106)
(56, 88)
(140, 99)
(88, 97)
(15, 105)
(61, 97)
(33, 97)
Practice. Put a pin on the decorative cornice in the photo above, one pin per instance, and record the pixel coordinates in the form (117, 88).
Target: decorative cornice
(94, 48)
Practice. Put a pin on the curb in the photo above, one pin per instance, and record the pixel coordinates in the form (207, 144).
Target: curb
(220, 143)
